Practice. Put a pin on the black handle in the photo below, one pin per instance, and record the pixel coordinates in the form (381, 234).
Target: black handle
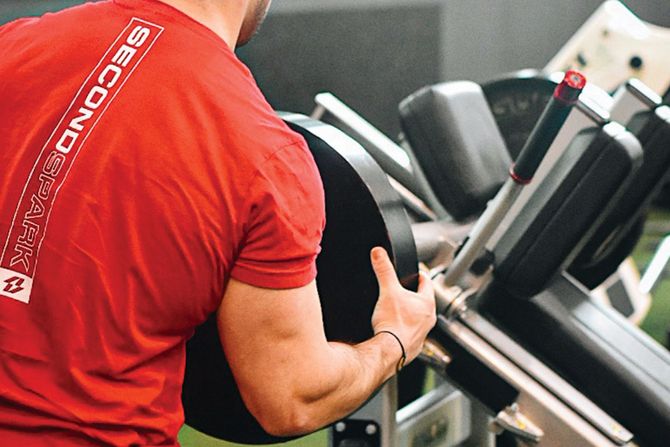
(547, 127)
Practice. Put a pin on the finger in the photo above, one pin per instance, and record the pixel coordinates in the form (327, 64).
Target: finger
(384, 270)
(425, 286)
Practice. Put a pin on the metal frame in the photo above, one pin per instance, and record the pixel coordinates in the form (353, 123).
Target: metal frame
(548, 411)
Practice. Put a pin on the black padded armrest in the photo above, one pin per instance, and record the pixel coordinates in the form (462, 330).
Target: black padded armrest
(652, 129)
(456, 141)
(566, 208)
(598, 351)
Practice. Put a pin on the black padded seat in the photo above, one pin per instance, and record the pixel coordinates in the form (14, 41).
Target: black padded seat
(593, 347)
(566, 208)
(456, 141)
(652, 129)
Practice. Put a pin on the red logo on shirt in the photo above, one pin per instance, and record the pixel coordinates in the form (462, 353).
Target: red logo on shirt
(21, 250)
(14, 285)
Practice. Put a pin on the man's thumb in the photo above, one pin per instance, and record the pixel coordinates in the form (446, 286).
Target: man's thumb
(383, 268)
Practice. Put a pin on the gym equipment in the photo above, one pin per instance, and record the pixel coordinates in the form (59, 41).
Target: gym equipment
(590, 154)
(517, 101)
(640, 109)
(469, 355)
(399, 163)
(498, 352)
(363, 212)
(557, 322)
(521, 173)
(614, 45)
(657, 266)
(480, 156)
(573, 221)
(511, 98)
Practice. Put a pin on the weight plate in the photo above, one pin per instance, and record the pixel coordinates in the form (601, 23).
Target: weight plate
(363, 211)
(517, 100)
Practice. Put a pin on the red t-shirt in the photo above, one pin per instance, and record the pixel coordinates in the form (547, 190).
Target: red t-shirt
(141, 168)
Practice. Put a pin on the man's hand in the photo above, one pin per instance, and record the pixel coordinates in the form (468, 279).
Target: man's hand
(409, 315)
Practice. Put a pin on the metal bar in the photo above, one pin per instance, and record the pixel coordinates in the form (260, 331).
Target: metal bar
(547, 377)
(439, 418)
(412, 202)
(560, 422)
(484, 228)
(656, 267)
(393, 159)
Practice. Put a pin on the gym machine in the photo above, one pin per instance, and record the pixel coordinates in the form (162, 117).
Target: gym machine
(636, 188)
(508, 384)
(642, 359)
(612, 46)
(524, 355)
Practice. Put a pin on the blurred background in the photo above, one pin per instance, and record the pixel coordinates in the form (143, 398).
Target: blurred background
(373, 53)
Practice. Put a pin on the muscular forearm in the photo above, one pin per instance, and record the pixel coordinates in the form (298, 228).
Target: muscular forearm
(327, 385)
(352, 374)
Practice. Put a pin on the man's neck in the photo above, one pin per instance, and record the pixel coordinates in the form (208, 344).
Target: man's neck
(225, 18)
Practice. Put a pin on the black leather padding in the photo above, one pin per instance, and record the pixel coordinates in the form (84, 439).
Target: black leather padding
(652, 129)
(566, 208)
(608, 359)
(456, 141)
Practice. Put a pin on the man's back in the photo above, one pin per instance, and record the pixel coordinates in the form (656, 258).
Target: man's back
(133, 142)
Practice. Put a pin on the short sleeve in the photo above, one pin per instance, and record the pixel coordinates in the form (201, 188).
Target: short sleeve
(285, 222)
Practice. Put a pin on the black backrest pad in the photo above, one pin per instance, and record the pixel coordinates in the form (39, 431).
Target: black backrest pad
(652, 129)
(566, 208)
(458, 145)
(598, 351)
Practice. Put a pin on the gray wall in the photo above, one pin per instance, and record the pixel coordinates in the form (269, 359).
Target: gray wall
(501, 36)
(373, 53)
(11, 9)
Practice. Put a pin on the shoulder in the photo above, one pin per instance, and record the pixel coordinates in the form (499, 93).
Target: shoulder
(234, 108)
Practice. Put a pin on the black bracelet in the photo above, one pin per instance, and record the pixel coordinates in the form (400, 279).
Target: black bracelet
(402, 360)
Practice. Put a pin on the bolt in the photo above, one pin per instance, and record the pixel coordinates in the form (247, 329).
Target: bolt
(636, 62)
